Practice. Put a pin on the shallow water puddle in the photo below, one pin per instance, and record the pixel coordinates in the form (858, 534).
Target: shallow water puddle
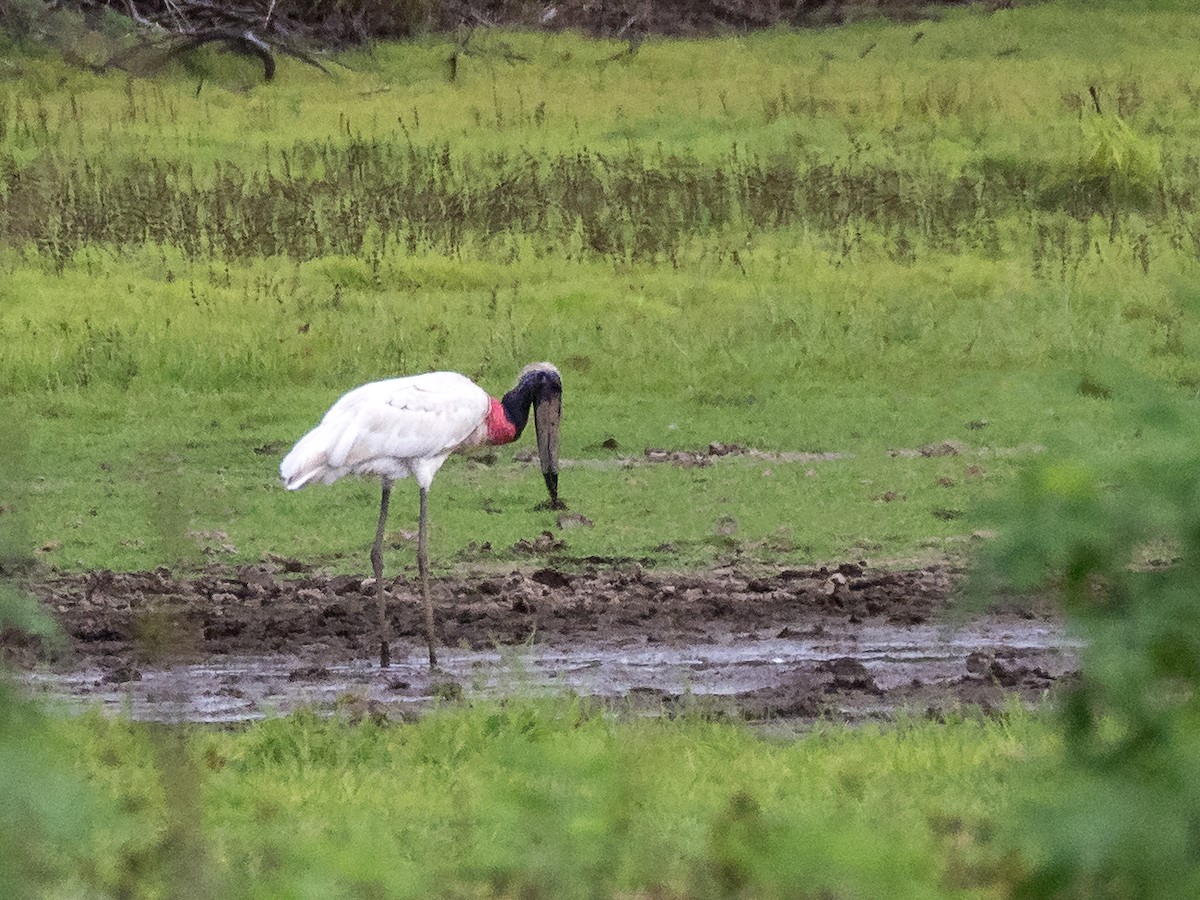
(867, 667)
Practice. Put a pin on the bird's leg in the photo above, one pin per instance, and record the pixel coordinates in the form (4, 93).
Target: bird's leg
(423, 568)
(385, 654)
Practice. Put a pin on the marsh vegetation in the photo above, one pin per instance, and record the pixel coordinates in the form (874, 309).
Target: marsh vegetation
(817, 297)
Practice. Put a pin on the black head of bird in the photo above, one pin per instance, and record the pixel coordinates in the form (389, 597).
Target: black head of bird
(539, 387)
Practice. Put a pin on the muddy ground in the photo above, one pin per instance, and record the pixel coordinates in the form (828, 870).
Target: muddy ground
(849, 642)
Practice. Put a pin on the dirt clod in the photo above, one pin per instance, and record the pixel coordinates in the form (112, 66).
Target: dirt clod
(308, 673)
(942, 448)
(567, 521)
(543, 543)
(122, 675)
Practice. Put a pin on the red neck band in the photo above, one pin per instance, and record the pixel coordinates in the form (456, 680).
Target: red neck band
(499, 429)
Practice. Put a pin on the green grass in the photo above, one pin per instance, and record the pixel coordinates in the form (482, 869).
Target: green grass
(546, 798)
(847, 240)
(99, 458)
(154, 391)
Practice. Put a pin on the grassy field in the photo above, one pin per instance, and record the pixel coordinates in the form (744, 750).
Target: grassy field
(982, 230)
(867, 238)
(541, 799)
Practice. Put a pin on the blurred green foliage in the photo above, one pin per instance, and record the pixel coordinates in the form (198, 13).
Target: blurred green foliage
(1117, 538)
(43, 804)
(548, 798)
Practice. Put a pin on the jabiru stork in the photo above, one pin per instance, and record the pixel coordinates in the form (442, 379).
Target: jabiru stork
(409, 426)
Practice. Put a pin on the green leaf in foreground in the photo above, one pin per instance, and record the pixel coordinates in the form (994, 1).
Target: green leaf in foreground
(1118, 538)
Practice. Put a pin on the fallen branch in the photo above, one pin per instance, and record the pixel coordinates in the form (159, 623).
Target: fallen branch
(246, 43)
(178, 27)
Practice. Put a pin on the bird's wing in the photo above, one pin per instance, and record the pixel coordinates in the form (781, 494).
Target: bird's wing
(419, 417)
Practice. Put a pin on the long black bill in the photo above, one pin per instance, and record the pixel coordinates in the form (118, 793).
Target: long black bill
(547, 414)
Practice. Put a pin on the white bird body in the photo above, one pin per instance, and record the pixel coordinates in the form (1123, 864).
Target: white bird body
(392, 429)
(408, 426)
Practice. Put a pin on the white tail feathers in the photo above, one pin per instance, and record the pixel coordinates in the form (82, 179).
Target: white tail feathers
(297, 480)
(308, 462)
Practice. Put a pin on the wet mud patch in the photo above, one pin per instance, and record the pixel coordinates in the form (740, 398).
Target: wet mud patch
(846, 642)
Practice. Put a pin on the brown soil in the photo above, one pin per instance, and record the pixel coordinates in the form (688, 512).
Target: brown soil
(847, 642)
